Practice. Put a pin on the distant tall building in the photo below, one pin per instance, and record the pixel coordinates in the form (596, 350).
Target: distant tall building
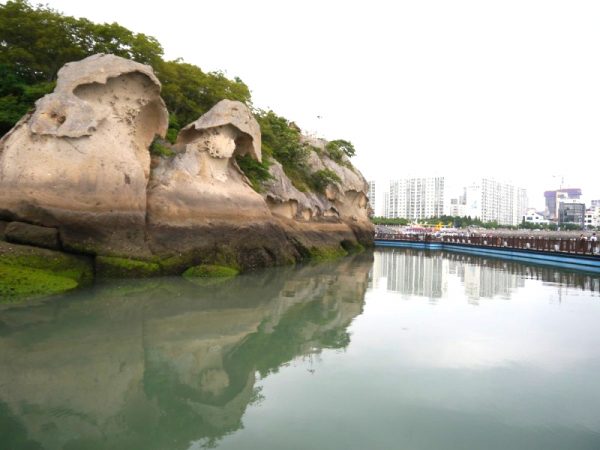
(371, 194)
(595, 204)
(415, 198)
(571, 211)
(554, 199)
(592, 216)
(490, 200)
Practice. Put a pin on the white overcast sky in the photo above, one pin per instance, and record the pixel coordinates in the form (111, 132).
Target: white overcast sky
(507, 89)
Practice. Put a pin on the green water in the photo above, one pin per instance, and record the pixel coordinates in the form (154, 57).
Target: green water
(399, 349)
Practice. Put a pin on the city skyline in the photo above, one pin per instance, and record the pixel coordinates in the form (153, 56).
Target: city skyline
(417, 198)
(454, 186)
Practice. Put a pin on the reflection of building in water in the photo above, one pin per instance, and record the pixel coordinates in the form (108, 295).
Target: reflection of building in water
(426, 274)
(514, 275)
(481, 281)
(411, 272)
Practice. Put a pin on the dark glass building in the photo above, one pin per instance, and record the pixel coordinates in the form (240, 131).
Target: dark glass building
(571, 213)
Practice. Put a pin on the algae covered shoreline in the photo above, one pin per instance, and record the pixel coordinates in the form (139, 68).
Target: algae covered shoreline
(29, 273)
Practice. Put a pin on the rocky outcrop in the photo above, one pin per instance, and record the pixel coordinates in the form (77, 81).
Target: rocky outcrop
(80, 161)
(24, 233)
(202, 181)
(80, 164)
(345, 199)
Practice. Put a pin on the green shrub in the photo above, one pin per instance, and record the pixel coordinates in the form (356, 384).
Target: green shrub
(159, 148)
(31, 55)
(281, 140)
(256, 172)
(338, 148)
(323, 178)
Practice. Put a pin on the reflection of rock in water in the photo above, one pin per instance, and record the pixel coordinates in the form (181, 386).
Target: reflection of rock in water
(158, 364)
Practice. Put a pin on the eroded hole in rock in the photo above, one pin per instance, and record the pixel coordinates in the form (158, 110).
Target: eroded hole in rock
(287, 209)
(149, 122)
(59, 118)
(123, 87)
(243, 144)
(187, 136)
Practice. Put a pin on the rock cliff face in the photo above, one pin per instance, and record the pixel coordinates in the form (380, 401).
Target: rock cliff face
(81, 164)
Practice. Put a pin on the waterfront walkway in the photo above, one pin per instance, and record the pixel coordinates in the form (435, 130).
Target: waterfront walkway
(567, 252)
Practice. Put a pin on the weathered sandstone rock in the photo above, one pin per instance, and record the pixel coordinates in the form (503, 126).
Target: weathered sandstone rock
(345, 200)
(202, 181)
(80, 161)
(3, 225)
(25, 233)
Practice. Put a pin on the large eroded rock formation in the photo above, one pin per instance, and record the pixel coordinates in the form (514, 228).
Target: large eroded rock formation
(202, 181)
(81, 163)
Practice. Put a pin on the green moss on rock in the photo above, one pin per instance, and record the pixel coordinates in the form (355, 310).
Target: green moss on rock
(326, 253)
(352, 246)
(18, 283)
(30, 272)
(77, 268)
(209, 270)
(114, 267)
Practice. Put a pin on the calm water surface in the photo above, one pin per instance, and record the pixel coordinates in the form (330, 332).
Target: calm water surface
(402, 349)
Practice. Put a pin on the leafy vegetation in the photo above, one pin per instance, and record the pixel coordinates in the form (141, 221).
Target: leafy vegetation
(377, 220)
(339, 148)
(323, 178)
(158, 148)
(189, 92)
(36, 41)
(281, 141)
(452, 221)
(462, 222)
(256, 172)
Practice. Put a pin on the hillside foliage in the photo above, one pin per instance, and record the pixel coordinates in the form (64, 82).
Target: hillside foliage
(36, 41)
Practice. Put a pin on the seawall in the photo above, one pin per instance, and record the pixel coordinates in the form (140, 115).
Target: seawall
(570, 261)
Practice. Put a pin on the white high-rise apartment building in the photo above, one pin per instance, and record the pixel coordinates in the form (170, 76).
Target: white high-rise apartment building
(415, 198)
(490, 200)
(371, 194)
